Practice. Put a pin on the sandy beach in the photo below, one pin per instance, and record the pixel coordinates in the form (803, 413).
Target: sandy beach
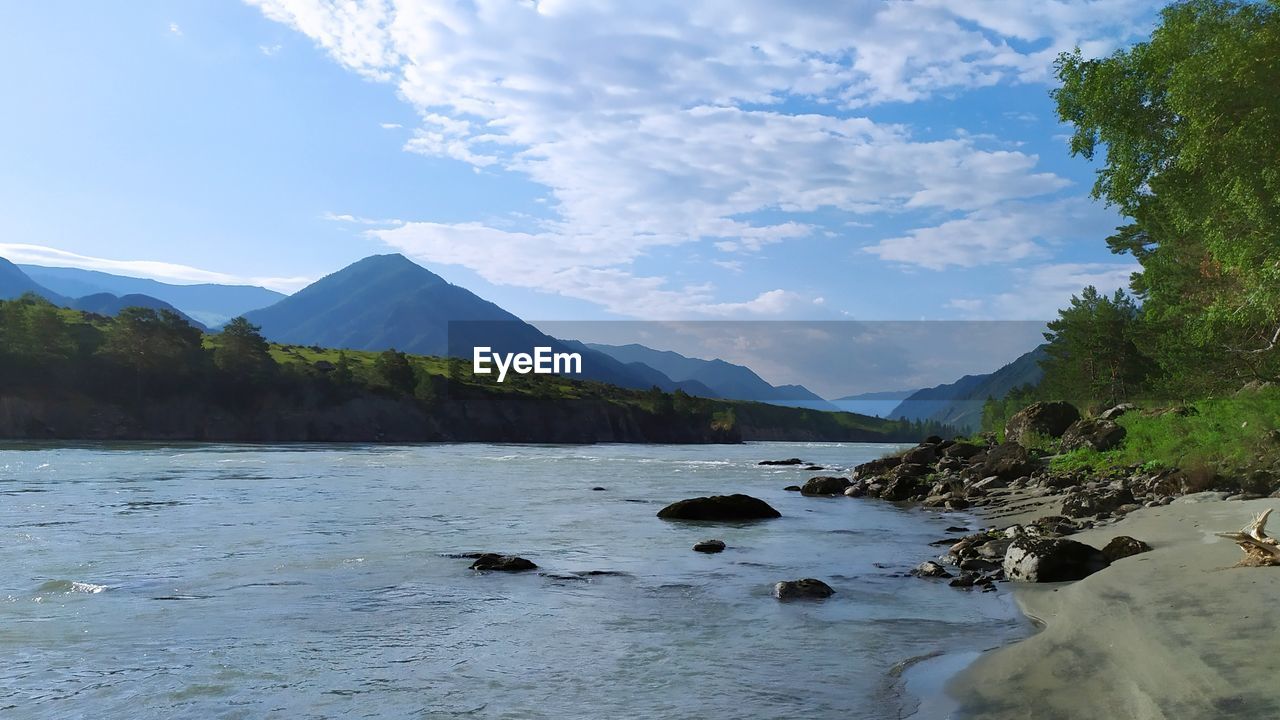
(1177, 633)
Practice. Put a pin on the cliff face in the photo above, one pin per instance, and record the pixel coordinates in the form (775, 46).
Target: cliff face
(368, 418)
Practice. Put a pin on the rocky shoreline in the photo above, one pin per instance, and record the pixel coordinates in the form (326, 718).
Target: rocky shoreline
(1053, 536)
(1066, 529)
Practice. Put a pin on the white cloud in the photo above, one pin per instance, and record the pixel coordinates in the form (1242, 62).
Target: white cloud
(1002, 233)
(1040, 291)
(175, 29)
(357, 220)
(659, 123)
(166, 272)
(270, 50)
(390, 126)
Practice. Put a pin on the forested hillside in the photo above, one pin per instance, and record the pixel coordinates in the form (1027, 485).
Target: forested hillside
(148, 374)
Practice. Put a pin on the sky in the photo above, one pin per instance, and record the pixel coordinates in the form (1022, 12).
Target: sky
(569, 159)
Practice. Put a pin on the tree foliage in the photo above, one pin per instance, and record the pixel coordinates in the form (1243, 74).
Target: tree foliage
(1187, 124)
(1093, 356)
(394, 370)
(242, 352)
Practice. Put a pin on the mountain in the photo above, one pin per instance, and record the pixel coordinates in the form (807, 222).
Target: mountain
(108, 304)
(878, 404)
(211, 304)
(726, 379)
(14, 284)
(388, 301)
(960, 403)
(644, 376)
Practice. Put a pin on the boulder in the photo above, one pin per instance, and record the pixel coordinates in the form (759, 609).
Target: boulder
(825, 486)
(857, 489)
(921, 455)
(909, 470)
(1083, 503)
(876, 467)
(993, 549)
(902, 486)
(788, 461)
(1040, 560)
(792, 488)
(930, 569)
(1122, 547)
(502, 563)
(1007, 461)
(1091, 434)
(1046, 419)
(709, 546)
(962, 450)
(720, 508)
(806, 589)
(995, 482)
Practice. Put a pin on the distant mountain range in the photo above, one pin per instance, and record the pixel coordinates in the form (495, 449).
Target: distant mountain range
(959, 404)
(209, 303)
(388, 301)
(15, 283)
(878, 404)
(725, 379)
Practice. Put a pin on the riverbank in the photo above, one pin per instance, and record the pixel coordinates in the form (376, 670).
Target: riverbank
(1174, 633)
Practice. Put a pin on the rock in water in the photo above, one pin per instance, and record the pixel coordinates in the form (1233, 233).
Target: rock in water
(502, 563)
(1100, 435)
(792, 488)
(806, 589)
(930, 569)
(1051, 560)
(1122, 547)
(709, 546)
(825, 486)
(788, 461)
(1047, 419)
(719, 508)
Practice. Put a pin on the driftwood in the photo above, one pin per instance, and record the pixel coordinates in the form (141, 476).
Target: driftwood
(1259, 548)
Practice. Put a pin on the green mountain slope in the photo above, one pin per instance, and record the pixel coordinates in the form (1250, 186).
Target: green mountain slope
(960, 403)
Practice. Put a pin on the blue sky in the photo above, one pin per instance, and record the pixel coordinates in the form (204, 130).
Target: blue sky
(568, 160)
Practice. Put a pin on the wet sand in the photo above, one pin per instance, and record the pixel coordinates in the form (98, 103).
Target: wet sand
(1173, 634)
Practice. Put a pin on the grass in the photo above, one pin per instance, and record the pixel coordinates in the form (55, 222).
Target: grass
(1227, 433)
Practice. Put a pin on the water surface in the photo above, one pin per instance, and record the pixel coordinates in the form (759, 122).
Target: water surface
(217, 581)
